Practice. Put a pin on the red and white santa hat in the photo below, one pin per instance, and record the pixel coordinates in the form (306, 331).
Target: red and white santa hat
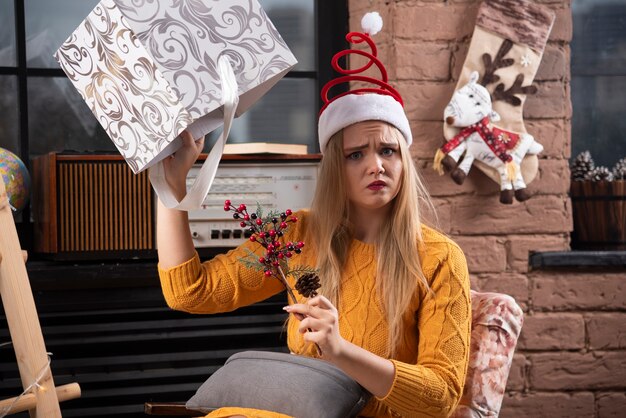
(382, 102)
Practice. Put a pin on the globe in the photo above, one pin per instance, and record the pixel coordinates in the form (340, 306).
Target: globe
(16, 179)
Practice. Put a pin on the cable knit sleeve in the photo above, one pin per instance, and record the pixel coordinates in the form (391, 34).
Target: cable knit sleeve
(434, 384)
(221, 284)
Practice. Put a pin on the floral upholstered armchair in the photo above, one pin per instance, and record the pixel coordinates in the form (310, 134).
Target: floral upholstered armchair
(496, 324)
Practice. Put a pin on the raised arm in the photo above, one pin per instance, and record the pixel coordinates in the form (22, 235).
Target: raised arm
(219, 285)
(174, 242)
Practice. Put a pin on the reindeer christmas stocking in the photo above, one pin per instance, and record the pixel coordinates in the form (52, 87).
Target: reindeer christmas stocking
(506, 49)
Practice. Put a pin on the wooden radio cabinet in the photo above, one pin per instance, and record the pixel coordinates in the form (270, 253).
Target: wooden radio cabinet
(91, 203)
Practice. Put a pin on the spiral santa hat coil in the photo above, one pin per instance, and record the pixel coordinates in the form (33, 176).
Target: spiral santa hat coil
(381, 102)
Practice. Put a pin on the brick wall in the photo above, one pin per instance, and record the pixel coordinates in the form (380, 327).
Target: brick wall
(571, 358)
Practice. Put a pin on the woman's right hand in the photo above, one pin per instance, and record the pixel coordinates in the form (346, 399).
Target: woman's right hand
(177, 165)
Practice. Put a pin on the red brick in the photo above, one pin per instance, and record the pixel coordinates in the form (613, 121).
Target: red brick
(512, 284)
(474, 282)
(480, 215)
(554, 64)
(443, 185)
(425, 101)
(611, 405)
(433, 22)
(427, 137)
(578, 371)
(422, 60)
(552, 178)
(484, 254)
(520, 246)
(578, 291)
(606, 330)
(562, 29)
(444, 210)
(553, 134)
(553, 405)
(517, 373)
(551, 101)
(553, 331)
(459, 53)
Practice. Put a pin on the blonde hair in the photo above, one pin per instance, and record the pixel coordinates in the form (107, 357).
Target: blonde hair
(399, 273)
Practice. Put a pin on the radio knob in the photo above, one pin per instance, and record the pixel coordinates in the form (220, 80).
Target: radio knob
(226, 233)
(215, 234)
(237, 233)
(195, 234)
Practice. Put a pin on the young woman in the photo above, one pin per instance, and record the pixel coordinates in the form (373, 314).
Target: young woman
(394, 308)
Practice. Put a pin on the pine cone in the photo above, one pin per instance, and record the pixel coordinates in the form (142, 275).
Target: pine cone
(582, 165)
(599, 174)
(308, 284)
(619, 171)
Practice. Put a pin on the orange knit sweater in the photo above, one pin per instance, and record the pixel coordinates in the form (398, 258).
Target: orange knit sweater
(431, 363)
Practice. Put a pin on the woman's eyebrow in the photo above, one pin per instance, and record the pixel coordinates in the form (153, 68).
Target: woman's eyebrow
(390, 144)
(356, 148)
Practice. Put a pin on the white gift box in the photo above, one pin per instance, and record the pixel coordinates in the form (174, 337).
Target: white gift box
(150, 69)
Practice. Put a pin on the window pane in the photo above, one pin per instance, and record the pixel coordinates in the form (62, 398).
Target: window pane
(59, 119)
(8, 114)
(286, 114)
(7, 34)
(295, 20)
(599, 42)
(598, 123)
(48, 25)
(598, 75)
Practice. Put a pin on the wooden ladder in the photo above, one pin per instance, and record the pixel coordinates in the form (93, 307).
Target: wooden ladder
(42, 400)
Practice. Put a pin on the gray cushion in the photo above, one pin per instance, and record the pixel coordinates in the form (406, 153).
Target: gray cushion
(298, 386)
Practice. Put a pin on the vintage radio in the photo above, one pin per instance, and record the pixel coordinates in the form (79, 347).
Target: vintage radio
(93, 206)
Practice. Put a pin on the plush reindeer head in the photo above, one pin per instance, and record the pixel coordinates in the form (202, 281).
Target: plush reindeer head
(469, 104)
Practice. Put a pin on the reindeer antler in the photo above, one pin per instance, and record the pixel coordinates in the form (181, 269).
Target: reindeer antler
(509, 95)
(499, 62)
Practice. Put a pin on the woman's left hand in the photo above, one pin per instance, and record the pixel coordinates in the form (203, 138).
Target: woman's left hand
(320, 325)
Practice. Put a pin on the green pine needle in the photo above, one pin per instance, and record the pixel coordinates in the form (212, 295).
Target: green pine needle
(298, 271)
(251, 261)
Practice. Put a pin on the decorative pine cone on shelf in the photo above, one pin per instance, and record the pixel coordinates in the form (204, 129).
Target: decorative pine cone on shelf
(582, 165)
(599, 174)
(308, 284)
(619, 171)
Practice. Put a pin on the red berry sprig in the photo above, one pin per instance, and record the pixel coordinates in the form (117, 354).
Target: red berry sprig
(267, 233)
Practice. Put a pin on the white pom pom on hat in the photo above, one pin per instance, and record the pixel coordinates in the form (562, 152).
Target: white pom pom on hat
(372, 23)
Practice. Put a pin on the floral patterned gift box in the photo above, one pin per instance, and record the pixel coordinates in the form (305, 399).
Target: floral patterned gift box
(149, 69)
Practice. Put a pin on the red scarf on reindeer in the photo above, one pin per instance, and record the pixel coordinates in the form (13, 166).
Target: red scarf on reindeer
(498, 140)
